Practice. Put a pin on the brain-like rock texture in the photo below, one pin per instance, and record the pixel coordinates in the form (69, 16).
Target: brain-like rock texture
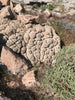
(38, 44)
(11, 26)
(42, 44)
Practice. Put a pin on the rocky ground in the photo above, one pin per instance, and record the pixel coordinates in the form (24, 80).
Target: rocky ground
(29, 41)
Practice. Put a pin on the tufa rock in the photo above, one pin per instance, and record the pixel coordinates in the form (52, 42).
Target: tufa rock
(14, 63)
(42, 44)
(38, 44)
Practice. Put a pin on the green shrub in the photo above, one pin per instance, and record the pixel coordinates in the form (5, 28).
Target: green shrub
(50, 7)
(44, 7)
(35, 6)
(62, 76)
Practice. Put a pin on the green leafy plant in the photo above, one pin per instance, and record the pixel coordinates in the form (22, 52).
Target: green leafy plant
(35, 6)
(44, 6)
(61, 78)
(50, 7)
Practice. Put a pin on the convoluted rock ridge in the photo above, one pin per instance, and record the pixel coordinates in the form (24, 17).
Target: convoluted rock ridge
(38, 44)
(42, 44)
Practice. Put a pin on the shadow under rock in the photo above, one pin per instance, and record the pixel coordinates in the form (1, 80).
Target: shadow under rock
(2, 42)
(19, 93)
(27, 61)
(38, 3)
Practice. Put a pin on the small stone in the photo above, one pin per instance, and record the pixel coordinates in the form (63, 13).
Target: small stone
(29, 79)
(18, 8)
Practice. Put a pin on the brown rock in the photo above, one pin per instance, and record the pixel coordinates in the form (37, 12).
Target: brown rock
(18, 8)
(6, 12)
(29, 79)
(13, 62)
(11, 5)
(26, 18)
(12, 84)
(56, 14)
(5, 2)
(47, 13)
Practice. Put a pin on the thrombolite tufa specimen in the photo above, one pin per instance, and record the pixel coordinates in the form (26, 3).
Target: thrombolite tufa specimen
(8, 27)
(16, 42)
(38, 44)
(42, 44)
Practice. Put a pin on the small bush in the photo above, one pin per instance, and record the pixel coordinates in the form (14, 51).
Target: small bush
(62, 76)
(50, 7)
(44, 7)
(35, 6)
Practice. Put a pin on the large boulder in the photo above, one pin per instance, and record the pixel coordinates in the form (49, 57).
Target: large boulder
(42, 44)
(14, 63)
(16, 42)
(38, 44)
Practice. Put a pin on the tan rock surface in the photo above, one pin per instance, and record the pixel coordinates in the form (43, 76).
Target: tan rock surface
(5, 2)
(18, 8)
(26, 18)
(6, 12)
(29, 79)
(13, 62)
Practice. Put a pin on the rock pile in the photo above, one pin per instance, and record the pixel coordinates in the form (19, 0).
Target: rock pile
(34, 42)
